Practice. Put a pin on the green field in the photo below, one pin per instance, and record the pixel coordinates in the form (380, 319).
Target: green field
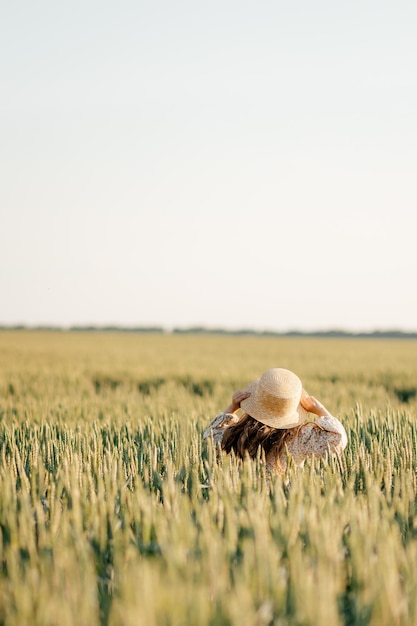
(113, 511)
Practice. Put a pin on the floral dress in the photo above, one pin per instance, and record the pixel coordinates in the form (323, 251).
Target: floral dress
(325, 434)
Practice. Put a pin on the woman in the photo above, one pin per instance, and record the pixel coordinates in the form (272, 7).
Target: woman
(276, 409)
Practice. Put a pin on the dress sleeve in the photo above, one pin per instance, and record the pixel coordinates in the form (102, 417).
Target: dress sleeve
(217, 426)
(318, 437)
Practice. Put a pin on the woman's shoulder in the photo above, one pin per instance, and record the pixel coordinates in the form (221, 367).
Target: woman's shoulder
(217, 426)
(316, 437)
(326, 423)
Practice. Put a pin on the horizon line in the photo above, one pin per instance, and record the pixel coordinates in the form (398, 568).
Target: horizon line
(201, 330)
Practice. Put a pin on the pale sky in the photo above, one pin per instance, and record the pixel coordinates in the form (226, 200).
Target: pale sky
(222, 163)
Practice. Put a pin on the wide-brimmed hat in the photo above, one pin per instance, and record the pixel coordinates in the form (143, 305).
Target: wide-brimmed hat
(275, 399)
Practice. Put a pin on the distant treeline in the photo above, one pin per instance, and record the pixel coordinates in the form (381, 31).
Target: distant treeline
(201, 330)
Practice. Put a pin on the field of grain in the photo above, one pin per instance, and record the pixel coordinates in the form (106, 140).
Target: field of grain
(113, 511)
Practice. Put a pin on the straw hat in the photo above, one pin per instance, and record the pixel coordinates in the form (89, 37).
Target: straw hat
(275, 399)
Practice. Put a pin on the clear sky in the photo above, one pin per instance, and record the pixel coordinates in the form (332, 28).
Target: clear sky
(224, 163)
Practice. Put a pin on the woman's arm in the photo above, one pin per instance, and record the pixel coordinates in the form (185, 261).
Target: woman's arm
(312, 405)
(316, 438)
(217, 425)
(237, 398)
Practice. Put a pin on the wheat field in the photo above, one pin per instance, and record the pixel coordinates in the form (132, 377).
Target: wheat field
(114, 512)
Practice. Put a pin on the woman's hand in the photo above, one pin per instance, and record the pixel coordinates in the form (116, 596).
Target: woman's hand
(312, 405)
(237, 398)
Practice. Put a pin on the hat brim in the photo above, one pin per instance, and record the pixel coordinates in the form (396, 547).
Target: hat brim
(251, 407)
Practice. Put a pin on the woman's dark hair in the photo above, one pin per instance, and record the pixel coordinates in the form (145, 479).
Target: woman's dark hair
(247, 435)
